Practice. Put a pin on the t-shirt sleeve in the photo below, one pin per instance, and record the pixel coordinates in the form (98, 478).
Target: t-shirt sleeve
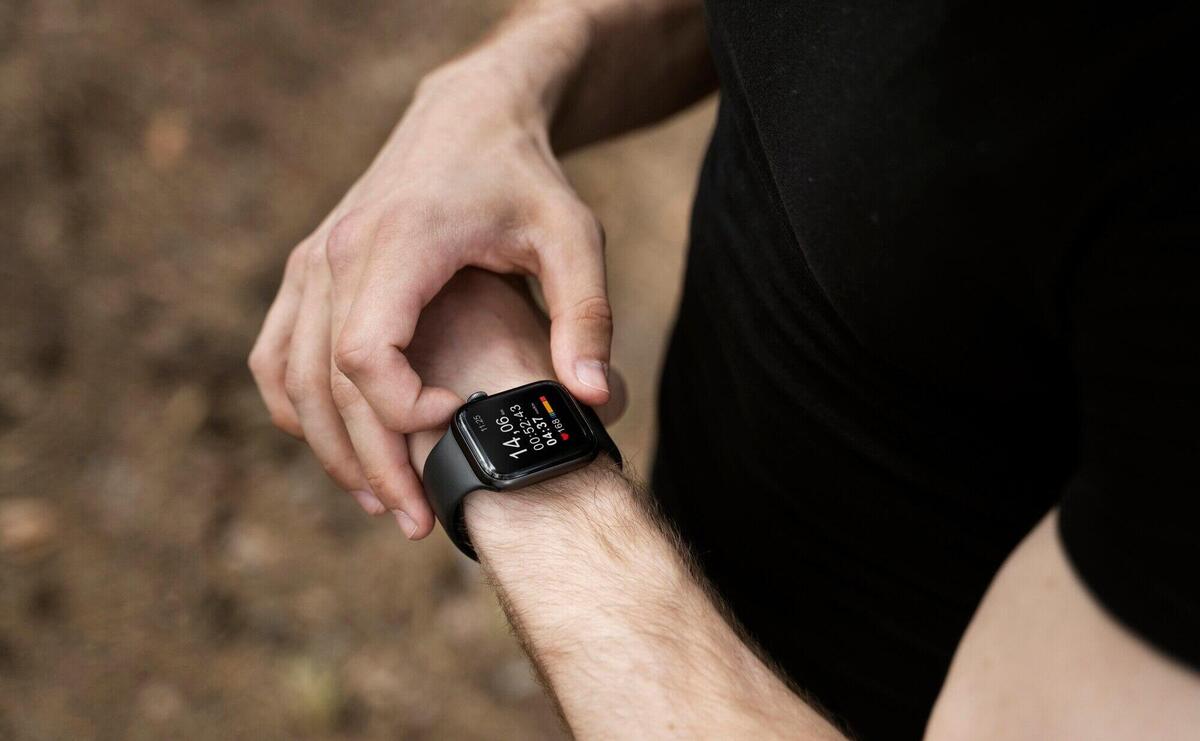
(1130, 518)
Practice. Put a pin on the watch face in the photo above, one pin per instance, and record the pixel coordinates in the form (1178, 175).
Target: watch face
(525, 430)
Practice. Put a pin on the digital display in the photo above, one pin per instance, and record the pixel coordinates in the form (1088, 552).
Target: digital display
(525, 430)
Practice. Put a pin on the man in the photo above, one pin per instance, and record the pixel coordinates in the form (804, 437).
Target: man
(939, 318)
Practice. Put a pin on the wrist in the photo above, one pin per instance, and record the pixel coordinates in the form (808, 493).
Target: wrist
(552, 538)
(524, 66)
(567, 508)
(562, 549)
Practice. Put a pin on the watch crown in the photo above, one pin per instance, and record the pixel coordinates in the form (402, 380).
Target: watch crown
(476, 396)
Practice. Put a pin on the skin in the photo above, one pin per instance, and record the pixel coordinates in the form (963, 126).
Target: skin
(631, 642)
(469, 177)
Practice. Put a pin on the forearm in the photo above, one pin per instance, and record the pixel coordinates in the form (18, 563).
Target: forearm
(620, 627)
(591, 69)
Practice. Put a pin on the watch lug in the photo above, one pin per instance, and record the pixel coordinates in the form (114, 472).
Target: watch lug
(477, 396)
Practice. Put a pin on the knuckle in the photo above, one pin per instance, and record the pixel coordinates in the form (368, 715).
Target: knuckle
(259, 362)
(594, 310)
(340, 469)
(397, 417)
(591, 231)
(298, 384)
(575, 216)
(380, 485)
(346, 239)
(314, 256)
(352, 355)
(345, 393)
(285, 422)
(295, 259)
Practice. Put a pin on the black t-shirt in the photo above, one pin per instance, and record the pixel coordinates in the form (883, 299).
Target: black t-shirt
(944, 275)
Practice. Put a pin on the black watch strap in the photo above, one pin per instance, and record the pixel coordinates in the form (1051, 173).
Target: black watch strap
(448, 479)
(606, 442)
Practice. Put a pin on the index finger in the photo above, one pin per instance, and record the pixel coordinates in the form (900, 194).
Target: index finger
(268, 357)
(380, 325)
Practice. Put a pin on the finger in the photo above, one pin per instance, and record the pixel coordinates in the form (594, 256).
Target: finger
(420, 445)
(379, 325)
(268, 357)
(573, 282)
(611, 411)
(383, 457)
(308, 386)
(382, 454)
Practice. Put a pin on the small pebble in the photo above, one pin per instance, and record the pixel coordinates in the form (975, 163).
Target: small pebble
(159, 701)
(28, 527)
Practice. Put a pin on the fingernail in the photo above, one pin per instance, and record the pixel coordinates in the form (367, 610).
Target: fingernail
(593, 374)
(406, 523)
(368, 502)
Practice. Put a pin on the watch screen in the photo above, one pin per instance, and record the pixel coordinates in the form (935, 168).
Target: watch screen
(525, 430)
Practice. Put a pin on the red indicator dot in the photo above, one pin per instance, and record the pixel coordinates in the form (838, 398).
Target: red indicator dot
(566, 436)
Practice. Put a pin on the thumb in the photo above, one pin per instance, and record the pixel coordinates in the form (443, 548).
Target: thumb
(618, 400)
(581, 320)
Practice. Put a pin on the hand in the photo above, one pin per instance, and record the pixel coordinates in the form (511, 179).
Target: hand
(486, 334)
(467, 178)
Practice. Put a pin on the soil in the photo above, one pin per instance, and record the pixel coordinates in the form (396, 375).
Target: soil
(170, 565)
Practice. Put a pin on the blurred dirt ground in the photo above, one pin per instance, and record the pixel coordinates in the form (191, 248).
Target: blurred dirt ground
(171, 566)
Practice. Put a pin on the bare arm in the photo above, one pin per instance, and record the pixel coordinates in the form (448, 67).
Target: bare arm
(619, 624)
(595, 68)
(591, 69)
(629, 640)
(627, 637)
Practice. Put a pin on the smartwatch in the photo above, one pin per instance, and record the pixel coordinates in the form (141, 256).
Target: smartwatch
(508, 440)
